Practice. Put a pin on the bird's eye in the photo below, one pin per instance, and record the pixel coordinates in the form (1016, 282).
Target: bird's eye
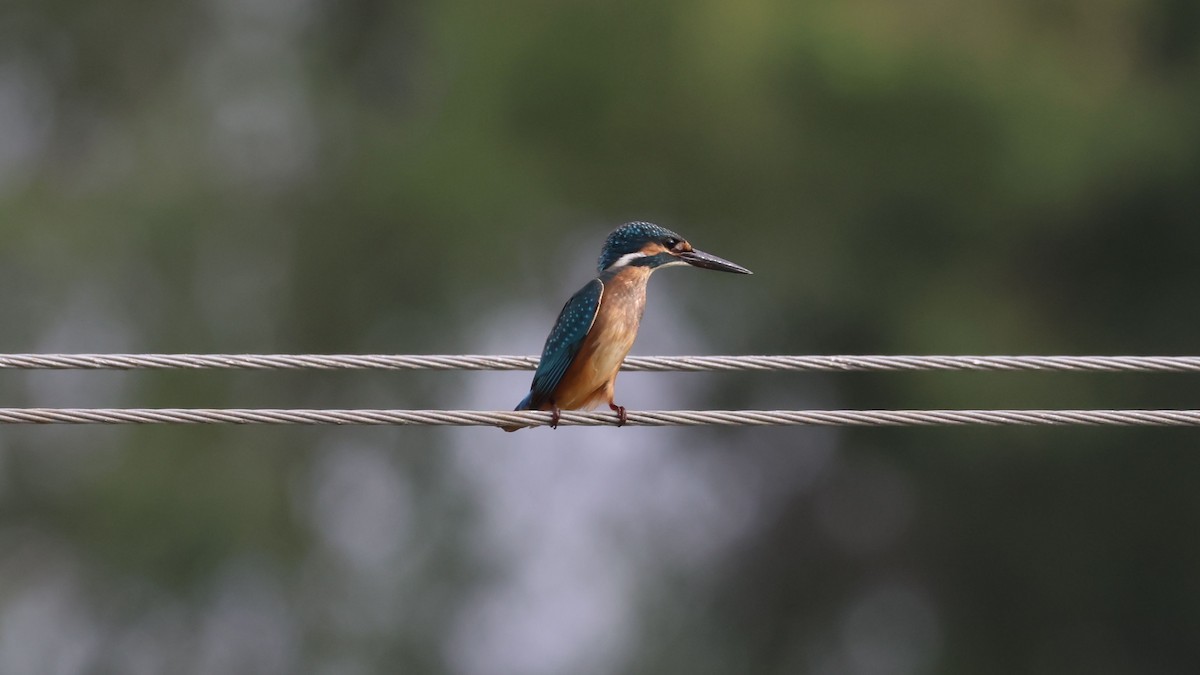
(671, 242)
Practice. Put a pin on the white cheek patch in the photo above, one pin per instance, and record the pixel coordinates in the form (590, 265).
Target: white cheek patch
(626, 259)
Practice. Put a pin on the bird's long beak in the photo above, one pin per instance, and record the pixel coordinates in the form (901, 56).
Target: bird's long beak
(708, 261)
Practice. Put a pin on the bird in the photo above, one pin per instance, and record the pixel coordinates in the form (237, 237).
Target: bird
(597, 326)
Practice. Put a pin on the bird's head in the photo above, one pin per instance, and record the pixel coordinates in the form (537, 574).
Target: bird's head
(649, 245)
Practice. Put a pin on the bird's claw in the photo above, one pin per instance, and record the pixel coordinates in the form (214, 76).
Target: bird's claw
(555, 416)
(622, 418)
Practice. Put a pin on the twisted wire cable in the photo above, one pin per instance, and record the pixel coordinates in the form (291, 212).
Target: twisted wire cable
(1100, 364)
(1159, 364)
(651, 418)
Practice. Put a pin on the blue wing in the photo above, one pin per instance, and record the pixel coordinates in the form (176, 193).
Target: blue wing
(564, 342)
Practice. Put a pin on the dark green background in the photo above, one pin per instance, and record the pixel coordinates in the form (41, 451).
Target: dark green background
(997, 177)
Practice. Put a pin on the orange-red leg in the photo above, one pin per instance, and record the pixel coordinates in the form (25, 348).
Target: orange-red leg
(555, 415)
(622, 418)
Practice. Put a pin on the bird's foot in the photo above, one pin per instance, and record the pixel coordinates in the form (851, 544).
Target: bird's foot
(555, 416)
(622, 418)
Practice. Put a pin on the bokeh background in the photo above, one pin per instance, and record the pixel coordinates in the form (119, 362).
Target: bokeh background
(362, 176)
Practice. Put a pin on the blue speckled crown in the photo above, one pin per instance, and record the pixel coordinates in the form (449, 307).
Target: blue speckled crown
(630, 238)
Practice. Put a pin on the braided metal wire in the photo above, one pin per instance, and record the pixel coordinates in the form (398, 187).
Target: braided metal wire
(1158, 364)
(1104, 364)
(652, 418)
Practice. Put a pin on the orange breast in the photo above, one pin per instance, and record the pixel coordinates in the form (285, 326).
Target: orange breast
(589, 380)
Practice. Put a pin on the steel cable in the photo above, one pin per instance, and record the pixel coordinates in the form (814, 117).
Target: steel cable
(649, 418)
(1102, 364)
(1109, 364)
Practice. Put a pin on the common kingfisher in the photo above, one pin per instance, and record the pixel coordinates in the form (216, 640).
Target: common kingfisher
(597, 326)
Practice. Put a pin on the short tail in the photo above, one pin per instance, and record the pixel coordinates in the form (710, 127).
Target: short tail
(523, 405)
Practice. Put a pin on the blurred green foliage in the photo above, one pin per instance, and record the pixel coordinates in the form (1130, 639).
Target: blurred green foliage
(365, 176)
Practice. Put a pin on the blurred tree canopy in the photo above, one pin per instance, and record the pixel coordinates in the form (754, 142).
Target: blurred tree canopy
(369, 176)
